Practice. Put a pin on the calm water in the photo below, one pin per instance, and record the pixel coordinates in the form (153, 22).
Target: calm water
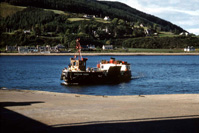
(152, 75)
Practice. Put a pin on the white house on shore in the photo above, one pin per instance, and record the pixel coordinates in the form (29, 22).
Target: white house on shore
(107, 47)
(189, 49)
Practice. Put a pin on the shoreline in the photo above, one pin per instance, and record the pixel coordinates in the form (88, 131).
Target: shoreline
(2, 89)
(63, 112)
(95, 54)
(85, 95)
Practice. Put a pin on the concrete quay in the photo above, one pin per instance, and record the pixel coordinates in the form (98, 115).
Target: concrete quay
(39, 111)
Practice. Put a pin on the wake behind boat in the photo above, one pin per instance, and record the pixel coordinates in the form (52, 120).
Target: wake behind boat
(106, 72)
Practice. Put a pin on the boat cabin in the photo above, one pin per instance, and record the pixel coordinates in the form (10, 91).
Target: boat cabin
(78, 64)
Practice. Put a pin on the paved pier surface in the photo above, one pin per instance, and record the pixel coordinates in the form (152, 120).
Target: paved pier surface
(37, 111)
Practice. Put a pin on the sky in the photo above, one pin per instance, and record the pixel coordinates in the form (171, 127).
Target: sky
(184, 13)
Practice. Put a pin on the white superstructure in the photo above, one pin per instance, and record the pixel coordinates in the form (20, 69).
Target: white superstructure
(105, 65)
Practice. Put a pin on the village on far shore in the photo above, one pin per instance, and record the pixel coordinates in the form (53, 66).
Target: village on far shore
(55, 49)
(62, 49)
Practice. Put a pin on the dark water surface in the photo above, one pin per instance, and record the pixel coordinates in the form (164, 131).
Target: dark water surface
(151, 75)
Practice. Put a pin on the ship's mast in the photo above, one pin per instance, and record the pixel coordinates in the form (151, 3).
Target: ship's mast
(78, 47)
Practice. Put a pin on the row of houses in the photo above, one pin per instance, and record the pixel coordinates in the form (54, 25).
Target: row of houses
(60, 48)
(189, 49)
(48, 49)
(36, 49)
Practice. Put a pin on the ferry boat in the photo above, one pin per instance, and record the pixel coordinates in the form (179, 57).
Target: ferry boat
(107, 72)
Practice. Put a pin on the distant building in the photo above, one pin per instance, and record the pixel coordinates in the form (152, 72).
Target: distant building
(189, 49)
(91, 47)
(22, 49)
(88, 47)
(107, 18)
(155, 34)
(184, 33)
(105, 30)
(26, 32)
(58, 48)
(150, 32)
(141, 25)
(44, 49)
(84, 47)
(11, 48)
(89, 16)
(107, 47)
(27, 49)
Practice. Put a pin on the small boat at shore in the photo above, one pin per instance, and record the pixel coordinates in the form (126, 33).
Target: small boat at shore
(107, 72)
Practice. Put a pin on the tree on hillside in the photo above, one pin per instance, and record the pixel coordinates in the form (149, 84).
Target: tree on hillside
(138, 32)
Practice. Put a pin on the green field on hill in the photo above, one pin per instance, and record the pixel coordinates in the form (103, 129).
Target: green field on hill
(8, 10)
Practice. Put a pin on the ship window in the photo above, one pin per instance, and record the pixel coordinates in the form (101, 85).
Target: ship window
(102, 66)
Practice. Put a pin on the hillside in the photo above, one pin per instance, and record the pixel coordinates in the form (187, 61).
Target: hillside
(50, 22)
(100, 8)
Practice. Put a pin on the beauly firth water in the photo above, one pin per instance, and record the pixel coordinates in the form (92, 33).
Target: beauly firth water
(151, 75)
